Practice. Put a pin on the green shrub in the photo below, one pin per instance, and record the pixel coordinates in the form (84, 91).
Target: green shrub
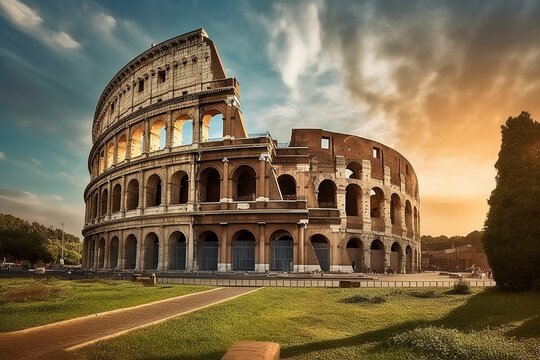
(362, 299)
(450, 344)
(425, 293)
(461, 288)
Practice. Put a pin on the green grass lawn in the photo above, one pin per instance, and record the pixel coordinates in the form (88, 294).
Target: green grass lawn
(25, 303)
(347, 324)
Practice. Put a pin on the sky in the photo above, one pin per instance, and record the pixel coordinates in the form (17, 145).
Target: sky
(435, 80)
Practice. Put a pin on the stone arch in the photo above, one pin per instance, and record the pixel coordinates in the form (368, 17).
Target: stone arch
(110, 155)
(130, 251)
(209, 185)
(104, 202)
(101, 161)
(101, 253)
(113, 252)
(208, 251)
(244, 179)
(151, 251)
(177, 251)
(132, 195)
(396, 257)
(179, 188)
(281, 251)
(212, 125)
(182, 130)
(353, 200)
(287, 186)
(353, 170)
(355, 254)
(408, 259)
(377, 256)
(395, 210)
(376, 200)
(137, 141)
(92, 253)
(408, 215)
(321, 247)
(153, 190)
(121, 147)
(94, 205)
(416, 220)
(158, 135)
(326, 195)
(243, 251)
(116, 198)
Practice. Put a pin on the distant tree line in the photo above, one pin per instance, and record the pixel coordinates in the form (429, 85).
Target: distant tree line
(21, 240)
(443, 242)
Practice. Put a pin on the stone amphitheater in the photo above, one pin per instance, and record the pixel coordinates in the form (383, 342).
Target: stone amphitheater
(179, 185)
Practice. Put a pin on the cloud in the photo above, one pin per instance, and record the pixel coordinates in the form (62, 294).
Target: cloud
(36, 161)
(28, 20)
(2, 156)
(104, 23)
(47, 209)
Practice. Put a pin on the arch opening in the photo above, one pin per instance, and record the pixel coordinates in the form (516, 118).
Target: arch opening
(244, 180)
(137, 142)
(281, 252)
(208, 254)
(408, 259)
(153, 190)
(326, 197)
(151, 252)
(132, 201)
(395, 258)
(104, 202)
(177, 243)
(355, 253)
(376, 200)
(158, 135)
(179, 188)
(377, 256)
(243, 251)
(353, 200)
(183, 131)
(116, 198)
(322, 251)
(113, 252)
(101, 253)
(212, 126)
(395, 210)
(130, 251)
(210, 185)
(353, 171)
(110, 155)
(121, 148)
(287, 186)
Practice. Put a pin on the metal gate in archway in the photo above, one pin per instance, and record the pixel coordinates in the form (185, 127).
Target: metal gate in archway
(323, 254)
(243, 253)
(180, 255)
(282, 255)
(209, 255)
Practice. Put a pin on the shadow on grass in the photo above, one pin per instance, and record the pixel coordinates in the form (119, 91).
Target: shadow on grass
(487, 309)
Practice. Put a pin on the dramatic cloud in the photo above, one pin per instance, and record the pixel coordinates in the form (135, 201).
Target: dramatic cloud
(29, 21)
(45, 209)
(104, 22)
(440, 76)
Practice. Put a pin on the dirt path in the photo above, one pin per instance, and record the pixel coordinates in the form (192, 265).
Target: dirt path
(55, 341)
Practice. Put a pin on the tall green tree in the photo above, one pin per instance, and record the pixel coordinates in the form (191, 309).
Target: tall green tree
(512, 229)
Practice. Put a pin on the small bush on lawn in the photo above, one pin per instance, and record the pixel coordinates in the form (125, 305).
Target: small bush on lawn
(361, 299)
(425, 293)
(460, 288)
(450, 344)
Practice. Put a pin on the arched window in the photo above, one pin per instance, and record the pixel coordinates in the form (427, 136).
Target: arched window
(104, 202)
(377, 256)
(130, 250)
(353, 171)
(110, 155)
(408, 259)
(395, 210)
(95, 206)
(153, 190)
(281, 251)
(376, 203)
(179, 188)
(210, 185)
(208, 251)
(395, 258)
(326, 197)
(132, 201)
(322, 251)
(151, 252)
(177, 252)
(212, 126)
(408, 216)
(287, 186)
(416, 220)
(113, 253)
(101, 253)
(355, 253)
(116, 198)
(353, 197)
(244, 180)
(101, 161)
(137, 141)
(122, 146)
(158, 135)
(183, 131)
(243, 251)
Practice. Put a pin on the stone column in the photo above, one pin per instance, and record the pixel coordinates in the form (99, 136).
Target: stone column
(121, 255)
(128, 142)
(222, 263)
(225, 181)
(262, 175)
(107, 251)
(261, 265)
(163, 263)
(142, 192)
(140, 251)
(109, 200)
(191, 259)
(169, 131)
(146, 137)
(386, 208)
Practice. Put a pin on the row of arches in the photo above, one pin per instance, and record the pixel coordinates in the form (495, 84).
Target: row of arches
(149, 254)
(133, 143)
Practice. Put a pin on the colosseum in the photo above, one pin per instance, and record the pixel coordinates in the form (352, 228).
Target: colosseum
(179, 185)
